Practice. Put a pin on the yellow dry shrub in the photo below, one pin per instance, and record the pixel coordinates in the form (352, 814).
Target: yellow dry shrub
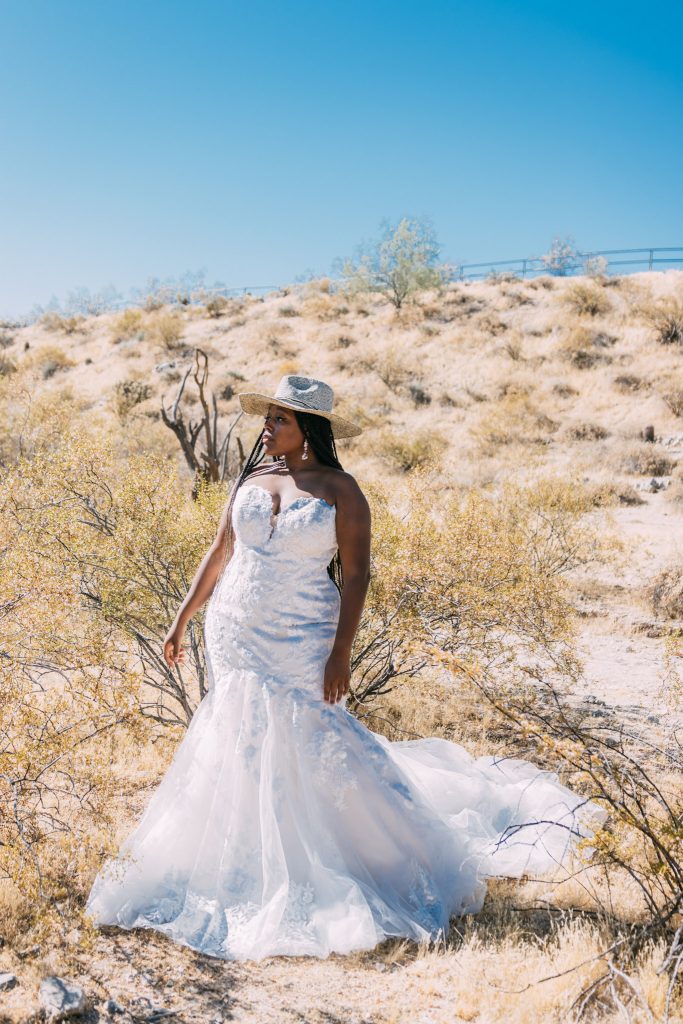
(129, 323)
(48, 360)
(476, 575)
(31, 419)
(578, 347)
(586, 299)
(408, 451)
(393, 369)
(324, 305)
(99, 552)
(514, 419)
(164, 328)
(64, 324)
(664, 317)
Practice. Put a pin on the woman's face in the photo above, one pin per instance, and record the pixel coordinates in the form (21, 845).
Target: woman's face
(282, 435)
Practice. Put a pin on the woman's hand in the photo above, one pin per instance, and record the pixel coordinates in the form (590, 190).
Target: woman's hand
(337, 677)
(174, 652)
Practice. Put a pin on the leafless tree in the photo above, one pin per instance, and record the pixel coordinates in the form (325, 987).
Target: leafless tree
(206, 454)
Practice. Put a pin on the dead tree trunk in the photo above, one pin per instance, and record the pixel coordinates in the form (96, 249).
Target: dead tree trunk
(208, 460)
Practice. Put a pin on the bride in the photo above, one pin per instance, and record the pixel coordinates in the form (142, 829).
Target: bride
(283, 825)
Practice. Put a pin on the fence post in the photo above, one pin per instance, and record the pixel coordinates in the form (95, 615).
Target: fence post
(523, 269)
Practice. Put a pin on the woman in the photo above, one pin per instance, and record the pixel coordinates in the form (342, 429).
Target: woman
(284, 825)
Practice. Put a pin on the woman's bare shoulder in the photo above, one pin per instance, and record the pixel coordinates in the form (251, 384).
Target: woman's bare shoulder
(347, 490)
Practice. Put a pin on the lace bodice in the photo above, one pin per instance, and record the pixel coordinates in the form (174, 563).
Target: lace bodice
(275, 594)
(304, 529)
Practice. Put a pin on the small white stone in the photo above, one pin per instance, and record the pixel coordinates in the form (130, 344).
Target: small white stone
(60, 999)
(7, 981)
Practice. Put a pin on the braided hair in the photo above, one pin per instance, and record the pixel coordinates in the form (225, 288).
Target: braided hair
(318, 432)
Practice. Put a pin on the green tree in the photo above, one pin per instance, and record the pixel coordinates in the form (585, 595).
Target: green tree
(404, 260)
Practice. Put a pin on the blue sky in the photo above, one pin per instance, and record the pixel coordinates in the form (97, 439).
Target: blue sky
(260, 140)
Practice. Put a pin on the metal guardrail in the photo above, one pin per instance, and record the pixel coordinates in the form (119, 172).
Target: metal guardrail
(529, 266)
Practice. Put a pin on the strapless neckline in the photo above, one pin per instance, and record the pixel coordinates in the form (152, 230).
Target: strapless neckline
(274, 516)
(284, 508)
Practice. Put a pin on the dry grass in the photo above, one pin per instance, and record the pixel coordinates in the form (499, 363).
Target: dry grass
(64, 324)
(8, 365)
(128, 394)
(587, 432)
(128, 324)
(666, 320)
(645, 460)
(627, 383)
(411, 451)
(516, 418)
(674, 400)
(49, 360)
(665, 593)
(165, 329)
(586, 299)
(585, 348)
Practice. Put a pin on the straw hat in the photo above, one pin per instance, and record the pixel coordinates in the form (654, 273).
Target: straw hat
(303, 394)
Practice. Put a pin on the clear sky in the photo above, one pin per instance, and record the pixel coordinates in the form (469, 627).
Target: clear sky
(260, 140)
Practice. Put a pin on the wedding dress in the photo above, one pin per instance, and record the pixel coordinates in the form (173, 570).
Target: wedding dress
(285, 826)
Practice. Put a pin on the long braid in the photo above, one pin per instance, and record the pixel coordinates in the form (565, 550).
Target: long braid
(256, 455)
(318, 432)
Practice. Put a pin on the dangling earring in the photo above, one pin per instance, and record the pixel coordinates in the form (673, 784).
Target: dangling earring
(282, 459)
(304, 454)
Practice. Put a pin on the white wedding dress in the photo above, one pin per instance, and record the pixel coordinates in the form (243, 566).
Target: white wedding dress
(285, 826)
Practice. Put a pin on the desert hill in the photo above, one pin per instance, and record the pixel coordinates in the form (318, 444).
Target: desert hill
(478, 385)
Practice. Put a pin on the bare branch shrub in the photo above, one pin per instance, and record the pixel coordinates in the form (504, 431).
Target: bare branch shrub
(645, 460)
(211, 462)
(666, 320)
(637, 851)
(123, 546)
(128, 394)
(674, 399)
(475, 575)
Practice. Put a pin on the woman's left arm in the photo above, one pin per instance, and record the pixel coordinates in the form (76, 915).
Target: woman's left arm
(353, 540)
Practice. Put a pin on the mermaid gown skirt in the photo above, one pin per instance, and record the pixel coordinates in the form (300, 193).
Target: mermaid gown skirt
(285, 826)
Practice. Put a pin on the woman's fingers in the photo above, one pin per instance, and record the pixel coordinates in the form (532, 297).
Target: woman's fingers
(173, 654)
(336, 690)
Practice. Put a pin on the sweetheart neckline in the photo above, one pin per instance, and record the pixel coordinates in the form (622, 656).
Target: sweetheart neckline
(301, 497)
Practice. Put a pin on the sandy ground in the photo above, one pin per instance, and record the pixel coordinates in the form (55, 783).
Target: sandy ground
(621, 640)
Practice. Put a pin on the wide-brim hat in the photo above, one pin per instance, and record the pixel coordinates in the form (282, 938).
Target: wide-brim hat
(303, 394)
